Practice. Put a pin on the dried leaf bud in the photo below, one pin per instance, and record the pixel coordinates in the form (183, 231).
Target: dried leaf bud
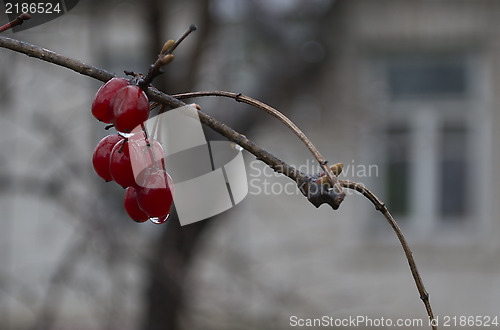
(167, 59)
(167, 46)
(336, 169)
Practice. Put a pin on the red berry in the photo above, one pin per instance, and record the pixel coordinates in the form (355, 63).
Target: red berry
(144, 155)
(131, 206)
(100, 106)
(155, 192)
(130, 107)
(101, 155)
(120, 166)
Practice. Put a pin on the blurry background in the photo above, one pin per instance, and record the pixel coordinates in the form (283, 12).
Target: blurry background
(402, 92)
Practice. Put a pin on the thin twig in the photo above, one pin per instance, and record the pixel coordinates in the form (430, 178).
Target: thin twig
(285, 120)
(191, 28)
(380, 206)
(155, 69)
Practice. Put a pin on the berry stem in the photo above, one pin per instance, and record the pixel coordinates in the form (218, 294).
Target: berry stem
(146, 135)
(122, 146)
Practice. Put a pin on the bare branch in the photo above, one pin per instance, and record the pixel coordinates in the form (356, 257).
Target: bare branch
(285, 120)
(52, 57)
(380, 206)
(305, 182)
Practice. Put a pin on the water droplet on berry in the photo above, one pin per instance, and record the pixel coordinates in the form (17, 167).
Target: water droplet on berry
(159, 221)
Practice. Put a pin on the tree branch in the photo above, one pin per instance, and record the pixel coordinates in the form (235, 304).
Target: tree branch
(285, 120)
(54, 58)
(380, 206)
(317, 196)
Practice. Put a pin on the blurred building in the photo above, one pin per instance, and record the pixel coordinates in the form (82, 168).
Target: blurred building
(402, 92)
(409, 86)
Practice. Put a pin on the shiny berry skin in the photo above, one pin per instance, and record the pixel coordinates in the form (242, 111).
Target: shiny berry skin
(145, 155)
(155, 192)
(120, 166)
(101, 155)
(100, 106)
(130, 107)
(131, 206)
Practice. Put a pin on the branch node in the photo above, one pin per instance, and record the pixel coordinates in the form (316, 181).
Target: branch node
(318, 193)
(380, 207)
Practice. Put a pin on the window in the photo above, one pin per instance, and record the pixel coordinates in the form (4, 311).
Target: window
(413, 76)
(430, 135)
(453, 171)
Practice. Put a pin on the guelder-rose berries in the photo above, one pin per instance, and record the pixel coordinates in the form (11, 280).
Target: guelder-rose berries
(119, 103)
(130, 107)
(145, 154)
(101, 155)
(132, 207)
(101, 104)
(120, 166)
(154, 192)
(149, 193)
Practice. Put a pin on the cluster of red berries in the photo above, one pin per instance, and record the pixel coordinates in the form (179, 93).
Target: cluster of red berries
(119, 103)
(134, 161)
